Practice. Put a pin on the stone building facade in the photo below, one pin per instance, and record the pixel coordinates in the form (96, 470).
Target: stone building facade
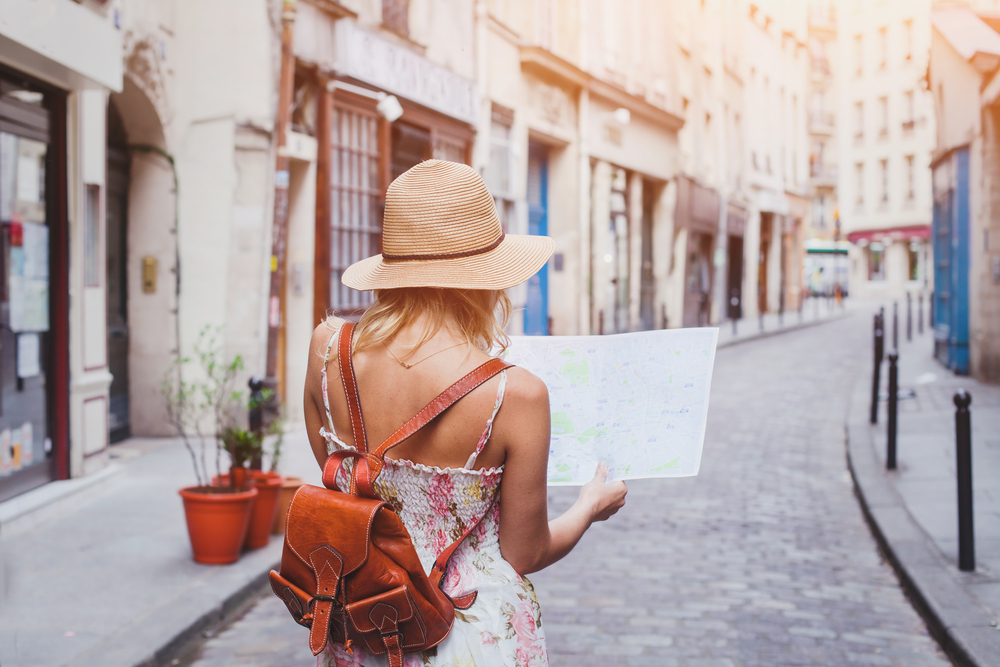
(965, 53)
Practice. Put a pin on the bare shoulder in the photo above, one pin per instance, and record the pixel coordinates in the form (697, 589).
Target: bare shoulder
(525, 388)
(321, 336)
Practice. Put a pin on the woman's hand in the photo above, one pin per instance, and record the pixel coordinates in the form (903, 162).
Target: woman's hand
(604, 499)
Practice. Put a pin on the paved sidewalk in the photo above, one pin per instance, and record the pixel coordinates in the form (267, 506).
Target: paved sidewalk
(814, 311)
(107, 579)
(914, 509)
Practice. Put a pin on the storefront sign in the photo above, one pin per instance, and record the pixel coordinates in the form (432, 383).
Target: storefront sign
(395, 69)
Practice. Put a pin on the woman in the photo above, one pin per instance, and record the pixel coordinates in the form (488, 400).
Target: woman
(439, 286)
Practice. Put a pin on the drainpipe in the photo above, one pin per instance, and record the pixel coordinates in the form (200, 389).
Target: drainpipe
(279, 233)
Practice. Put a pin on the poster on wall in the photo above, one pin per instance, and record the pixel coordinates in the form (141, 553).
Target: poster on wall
(29, 277)
(27, 445)
(29, 358)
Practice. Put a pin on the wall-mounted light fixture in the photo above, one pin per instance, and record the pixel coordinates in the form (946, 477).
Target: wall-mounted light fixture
(388, 106)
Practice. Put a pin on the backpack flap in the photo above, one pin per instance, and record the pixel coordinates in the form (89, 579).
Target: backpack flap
(387, 620)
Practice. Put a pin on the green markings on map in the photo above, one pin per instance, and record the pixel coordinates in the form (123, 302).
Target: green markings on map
(568, 353)
(577, 372)
(562, 424)
(556, 480)
(562, 467)
(591, 434)
(669, 465)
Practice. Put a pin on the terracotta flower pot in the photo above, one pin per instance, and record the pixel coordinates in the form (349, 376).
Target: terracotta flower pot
(268, 486)
(288, 488)
(217, 522)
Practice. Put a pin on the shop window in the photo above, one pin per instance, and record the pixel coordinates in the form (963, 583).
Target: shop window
(913, 260)
(396, 16)
(876, 262)
(355, 218)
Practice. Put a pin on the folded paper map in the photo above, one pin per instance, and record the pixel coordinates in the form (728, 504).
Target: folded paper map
(637, 401)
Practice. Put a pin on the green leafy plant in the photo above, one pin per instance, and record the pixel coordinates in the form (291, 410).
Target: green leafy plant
(212, 396)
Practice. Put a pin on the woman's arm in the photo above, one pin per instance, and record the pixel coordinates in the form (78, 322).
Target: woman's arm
(315, 412)
(528, 540)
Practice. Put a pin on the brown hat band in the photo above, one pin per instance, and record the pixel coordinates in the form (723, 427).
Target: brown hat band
(445, 255)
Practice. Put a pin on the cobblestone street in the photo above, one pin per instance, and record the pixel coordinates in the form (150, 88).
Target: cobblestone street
(763, 559)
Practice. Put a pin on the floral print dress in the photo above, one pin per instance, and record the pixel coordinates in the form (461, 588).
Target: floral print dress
(504, 624)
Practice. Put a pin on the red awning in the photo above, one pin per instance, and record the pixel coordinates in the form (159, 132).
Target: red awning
(891, 233)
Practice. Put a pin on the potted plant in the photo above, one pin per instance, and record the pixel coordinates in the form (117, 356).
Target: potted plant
(217, 515)
(289, 485)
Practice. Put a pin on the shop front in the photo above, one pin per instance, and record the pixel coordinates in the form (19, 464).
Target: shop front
(33, 289)
(54, 76)
(698, 217)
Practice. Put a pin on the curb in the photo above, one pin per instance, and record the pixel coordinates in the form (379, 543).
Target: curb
(781, 330)
(932, 583)
(188, 639)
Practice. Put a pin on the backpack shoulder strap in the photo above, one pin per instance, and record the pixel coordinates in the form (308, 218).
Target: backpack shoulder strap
(346, 361)
(432, 410)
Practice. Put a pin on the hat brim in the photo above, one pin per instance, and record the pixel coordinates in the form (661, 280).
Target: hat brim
(517, 258)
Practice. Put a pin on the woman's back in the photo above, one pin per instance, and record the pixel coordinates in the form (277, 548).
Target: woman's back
(438, 500)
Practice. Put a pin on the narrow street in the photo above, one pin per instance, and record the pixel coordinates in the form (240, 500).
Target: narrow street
(763, 559)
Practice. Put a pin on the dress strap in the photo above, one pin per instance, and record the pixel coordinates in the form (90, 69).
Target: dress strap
(471, 463)
(323, 375)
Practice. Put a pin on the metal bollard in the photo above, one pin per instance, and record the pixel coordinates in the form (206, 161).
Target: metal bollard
(879, 346)
(761, 318)
(920, 314)
(909, 317)
(930, 309)
(734, 327)
(890, 454)
(895, 325)
(963, 451)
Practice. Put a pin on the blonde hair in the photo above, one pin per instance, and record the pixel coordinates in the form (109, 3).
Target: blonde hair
(480, 315)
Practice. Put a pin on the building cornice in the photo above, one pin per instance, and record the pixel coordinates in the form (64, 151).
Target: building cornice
(549, 67)
(333, 8)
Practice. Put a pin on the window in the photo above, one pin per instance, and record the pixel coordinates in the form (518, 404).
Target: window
(859, 174)
(355, 219)
(876, 261)
(859, 55)
(396, 16)
(884, 168)
(910, 178)
(883, 117)
(883, 47)
(909, 111)
(497, 174)
(859, 120)
(908, 40)
(913, 257)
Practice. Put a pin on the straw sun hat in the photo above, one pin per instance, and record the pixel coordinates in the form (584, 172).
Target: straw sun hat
(441, 229)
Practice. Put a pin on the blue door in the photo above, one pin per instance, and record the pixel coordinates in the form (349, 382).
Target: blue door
(536, 311)
(951, 264)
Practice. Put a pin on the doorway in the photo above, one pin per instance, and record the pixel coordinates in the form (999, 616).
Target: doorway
(536, 308)
(647, 285)
(698, 280)
(117, 254)
(734, 278)
(766, 222)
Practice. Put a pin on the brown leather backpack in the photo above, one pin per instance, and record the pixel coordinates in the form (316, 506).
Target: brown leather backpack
(349, 571)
